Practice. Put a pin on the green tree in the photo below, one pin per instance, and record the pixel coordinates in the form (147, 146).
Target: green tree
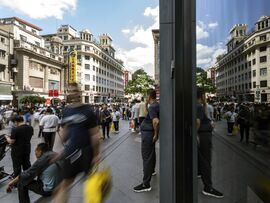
(140, 83)
(32, 100)
(204, 82)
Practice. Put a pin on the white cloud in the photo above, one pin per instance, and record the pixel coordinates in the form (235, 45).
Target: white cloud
(142, 54)
(206, 55)
(201, 31)
(38, 9)
(213, 25)
(125, 31)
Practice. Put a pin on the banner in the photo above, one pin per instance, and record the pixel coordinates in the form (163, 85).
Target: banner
(72, 67)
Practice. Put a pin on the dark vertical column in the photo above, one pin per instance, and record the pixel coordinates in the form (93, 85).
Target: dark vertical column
(178, 152)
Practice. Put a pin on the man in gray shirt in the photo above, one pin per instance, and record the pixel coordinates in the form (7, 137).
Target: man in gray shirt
(48, 175)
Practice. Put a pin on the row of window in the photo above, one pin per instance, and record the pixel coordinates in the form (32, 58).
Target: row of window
(99, 89)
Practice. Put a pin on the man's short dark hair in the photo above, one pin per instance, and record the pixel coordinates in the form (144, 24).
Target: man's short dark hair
(49, 110)
(152, 93)
(43, 147)
(18, 119)
(200, 92)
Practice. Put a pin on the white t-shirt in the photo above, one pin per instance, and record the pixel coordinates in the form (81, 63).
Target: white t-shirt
(49, 123)
(135, 110)
(142, 110)
(231, 116)
(210, 112)
(115, 116)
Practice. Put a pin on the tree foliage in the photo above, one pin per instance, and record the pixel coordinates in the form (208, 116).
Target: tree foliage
(140, 83)
(204, 82)
(32, 100)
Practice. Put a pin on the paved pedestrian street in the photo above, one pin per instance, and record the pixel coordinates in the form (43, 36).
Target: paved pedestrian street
(122, 153)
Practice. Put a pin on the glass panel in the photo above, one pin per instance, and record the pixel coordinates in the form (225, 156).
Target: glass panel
(232, 40)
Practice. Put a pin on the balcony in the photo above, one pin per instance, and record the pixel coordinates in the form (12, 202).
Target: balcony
(38, 50)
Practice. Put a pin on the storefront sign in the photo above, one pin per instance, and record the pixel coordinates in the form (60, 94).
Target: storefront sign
(73, 67)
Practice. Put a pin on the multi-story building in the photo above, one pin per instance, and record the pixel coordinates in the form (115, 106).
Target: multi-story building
(36, 70)
(6, 71)
(211, 74)
(100, 74)
(244, 71)
(127, 77)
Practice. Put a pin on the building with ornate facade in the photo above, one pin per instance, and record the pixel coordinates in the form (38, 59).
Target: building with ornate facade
(100, 74)
(35, 69)
(244, 71)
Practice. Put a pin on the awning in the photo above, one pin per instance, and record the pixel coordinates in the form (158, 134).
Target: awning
(6, 97)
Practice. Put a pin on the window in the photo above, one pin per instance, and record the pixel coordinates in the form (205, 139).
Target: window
(87, 66)
(79, 47)
(254, 61)
(94, 89)
(254, 73)
(263, 83)
(263, 71)
(79, 57)
(86, 87)
(87, 77)
(94, 77)
(23, 38)
(94, 68)
(65, 48)
(87, 48)
(2, 40)
(263, 49)
(65, 37)
(34, 31)
(87, 57)
(263, 38)
(263, 59)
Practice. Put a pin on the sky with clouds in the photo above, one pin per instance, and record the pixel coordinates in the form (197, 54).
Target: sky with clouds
(130, 23)
(215, 18)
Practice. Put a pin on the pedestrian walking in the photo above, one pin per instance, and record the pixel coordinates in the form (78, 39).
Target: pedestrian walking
(150, 134)
(243, 120)
(231, 116)
(82, 140)
(106, 120)
(116, 117)
(49, 126)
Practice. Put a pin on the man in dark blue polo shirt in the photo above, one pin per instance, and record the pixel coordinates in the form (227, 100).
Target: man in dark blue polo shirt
(150, 133)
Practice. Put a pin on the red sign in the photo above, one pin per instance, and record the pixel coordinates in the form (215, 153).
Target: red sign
(53, 93)
(50, 93)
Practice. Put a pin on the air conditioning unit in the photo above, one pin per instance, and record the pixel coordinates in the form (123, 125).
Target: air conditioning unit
(13, 61)
(15, 70)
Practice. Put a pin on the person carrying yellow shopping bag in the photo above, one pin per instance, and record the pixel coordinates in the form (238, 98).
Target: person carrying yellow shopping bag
(97, 186)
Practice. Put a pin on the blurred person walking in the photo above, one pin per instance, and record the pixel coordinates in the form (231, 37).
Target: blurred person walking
(81, 142)
(231, 116)
(20, 145)
(142, 112)
(49, 124)
(150, 133)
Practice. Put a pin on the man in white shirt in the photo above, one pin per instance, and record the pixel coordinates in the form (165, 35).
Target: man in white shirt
(142, 111)
(135, 113)
(49, 125)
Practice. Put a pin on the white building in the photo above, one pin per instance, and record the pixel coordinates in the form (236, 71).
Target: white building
(36, 69)
(244, 70)
(6, 72)
(100, 74)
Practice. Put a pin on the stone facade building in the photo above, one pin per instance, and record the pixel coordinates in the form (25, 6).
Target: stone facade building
(244, 71)
(36, 70)
(100, 74)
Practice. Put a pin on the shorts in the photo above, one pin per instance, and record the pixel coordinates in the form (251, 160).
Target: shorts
(79, 161)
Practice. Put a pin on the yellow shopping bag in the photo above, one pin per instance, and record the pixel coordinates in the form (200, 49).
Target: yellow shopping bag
(97, 186)
(112, 129)
(235, 130)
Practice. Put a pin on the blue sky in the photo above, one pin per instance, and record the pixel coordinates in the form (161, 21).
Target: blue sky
(129, 22)
(215, 18)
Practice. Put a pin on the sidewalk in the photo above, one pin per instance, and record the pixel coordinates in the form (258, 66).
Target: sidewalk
(122, 154)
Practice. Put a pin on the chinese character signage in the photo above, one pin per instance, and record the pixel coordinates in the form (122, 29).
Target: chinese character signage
(73, 67)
